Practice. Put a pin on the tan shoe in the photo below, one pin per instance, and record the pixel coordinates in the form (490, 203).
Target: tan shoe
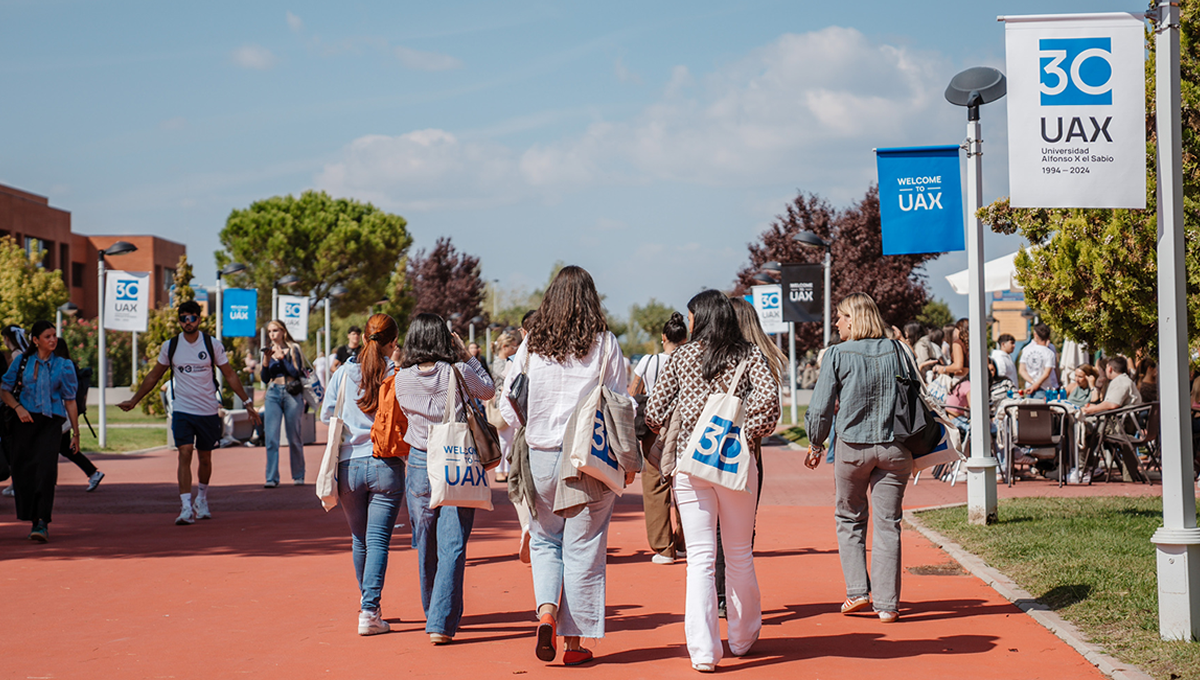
(854, 604)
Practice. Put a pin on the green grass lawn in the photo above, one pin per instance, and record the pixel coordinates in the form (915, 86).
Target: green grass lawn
(116, 415)
(121, 440)
(794, 432)
(1089, 559)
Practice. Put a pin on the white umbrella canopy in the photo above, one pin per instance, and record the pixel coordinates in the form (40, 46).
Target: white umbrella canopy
(998, 274)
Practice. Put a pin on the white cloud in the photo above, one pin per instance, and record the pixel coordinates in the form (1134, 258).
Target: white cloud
(804, 110)
(294, 22)
(425, 61)
(624, 74)
(254, 56)
(175, 123)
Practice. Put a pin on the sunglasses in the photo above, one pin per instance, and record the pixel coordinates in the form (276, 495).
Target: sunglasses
(189, 318)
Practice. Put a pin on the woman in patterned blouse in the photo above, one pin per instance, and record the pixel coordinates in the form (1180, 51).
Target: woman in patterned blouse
(705, 366)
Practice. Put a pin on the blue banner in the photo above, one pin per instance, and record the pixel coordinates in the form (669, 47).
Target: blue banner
(241, 310)
(920, 200)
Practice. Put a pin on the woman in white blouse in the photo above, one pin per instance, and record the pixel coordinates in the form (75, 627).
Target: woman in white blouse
(567, 347)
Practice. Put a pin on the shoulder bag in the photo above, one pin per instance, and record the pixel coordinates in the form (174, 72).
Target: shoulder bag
(487, 440)
(456, 477)
(717, 450)
(327, 483)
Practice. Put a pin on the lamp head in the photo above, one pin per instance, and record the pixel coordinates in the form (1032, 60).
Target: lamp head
(975, 87)
(118, 248)
(231, 268)
(771, 266)
(338, 290)
(763, 277)
(287, 280)
(812, 240)
(69, 308)
(476, 321)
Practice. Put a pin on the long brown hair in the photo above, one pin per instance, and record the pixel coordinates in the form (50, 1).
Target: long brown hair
(569, 319)
(381, 331)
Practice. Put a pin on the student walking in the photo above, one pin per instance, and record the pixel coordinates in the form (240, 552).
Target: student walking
(370, 489)
(431, 354)
(859, 379)
(40, 388)
(283, 364)
(708, 365)
(568, 346)
(193, 357)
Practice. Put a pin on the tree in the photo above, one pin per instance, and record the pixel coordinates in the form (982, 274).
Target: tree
(323, 241)
(28, 292)
(83, 342)
(1092, 274)
(935, 314)
(651, 319)
(446, 282)
(859, 265)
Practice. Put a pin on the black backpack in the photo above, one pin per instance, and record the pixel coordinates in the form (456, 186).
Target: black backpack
(208, 344)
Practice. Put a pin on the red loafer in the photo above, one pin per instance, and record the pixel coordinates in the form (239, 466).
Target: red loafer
(576, 657)
(546, 639)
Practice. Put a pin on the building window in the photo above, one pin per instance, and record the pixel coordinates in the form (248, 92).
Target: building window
(36, 245)
(168, 279)
(77, 274)
(64, 258)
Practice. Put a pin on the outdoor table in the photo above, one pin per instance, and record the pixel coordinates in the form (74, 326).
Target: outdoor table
(1075, 432)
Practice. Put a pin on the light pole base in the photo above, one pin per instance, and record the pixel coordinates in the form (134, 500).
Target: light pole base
(981, 490)
(1178, 583)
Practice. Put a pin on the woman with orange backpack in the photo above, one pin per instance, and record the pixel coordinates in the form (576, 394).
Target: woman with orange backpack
(370, 487)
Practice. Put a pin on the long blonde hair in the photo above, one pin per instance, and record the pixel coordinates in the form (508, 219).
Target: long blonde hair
(865, 320)
(752, 329)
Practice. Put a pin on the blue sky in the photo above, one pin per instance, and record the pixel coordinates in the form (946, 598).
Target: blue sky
(647, 142)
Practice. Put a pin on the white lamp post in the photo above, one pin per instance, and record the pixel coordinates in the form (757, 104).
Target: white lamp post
(973, 88)
(118, 248)
(337, 291)
(813, 241)
(1178, 540)
(70, 309)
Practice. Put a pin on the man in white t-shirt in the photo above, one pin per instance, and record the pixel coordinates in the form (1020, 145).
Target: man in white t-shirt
(1002, 357)
(1039, 363)
(194, 420)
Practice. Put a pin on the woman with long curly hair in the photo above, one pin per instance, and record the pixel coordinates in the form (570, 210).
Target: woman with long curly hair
(370, 490)
(567, 348)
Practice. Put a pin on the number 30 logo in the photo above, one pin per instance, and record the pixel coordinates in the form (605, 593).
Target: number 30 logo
(719, 446)
(1075, 71)
(600, 447)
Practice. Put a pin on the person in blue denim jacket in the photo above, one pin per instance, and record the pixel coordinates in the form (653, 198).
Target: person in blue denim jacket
(370, 490)
(858, 376)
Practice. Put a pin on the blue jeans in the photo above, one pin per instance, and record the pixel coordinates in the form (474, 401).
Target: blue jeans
(440, 537)
(283, 408)
(370, 491)
(568, 554)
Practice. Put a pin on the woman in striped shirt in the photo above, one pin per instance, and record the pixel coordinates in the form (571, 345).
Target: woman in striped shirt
(439, 534)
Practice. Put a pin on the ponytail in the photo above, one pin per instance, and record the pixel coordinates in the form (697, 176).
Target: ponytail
(381, 331)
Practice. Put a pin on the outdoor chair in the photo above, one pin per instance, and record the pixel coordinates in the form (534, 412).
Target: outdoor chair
(1120, 433)
(1035, 426)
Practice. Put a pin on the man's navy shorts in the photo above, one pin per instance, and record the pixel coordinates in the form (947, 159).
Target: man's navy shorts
(202, 431)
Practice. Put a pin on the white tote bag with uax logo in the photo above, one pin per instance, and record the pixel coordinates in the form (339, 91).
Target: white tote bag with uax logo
(456, 476)
(590, 451)
(717, 450)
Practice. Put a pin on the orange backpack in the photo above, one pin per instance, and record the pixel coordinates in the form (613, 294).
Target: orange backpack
(387, 433)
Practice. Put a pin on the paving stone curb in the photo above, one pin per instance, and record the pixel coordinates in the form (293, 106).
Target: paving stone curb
(1065, 630)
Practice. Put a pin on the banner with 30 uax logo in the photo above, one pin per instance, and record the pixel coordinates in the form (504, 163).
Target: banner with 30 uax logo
(126, 301)
(1076, 111)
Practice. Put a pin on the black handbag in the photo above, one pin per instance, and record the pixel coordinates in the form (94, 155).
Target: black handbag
(518, 392)
(915, 426)
(294, 387)
(487, 440)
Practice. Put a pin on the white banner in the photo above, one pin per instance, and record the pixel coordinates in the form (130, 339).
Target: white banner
(127, 301)
(293, 312)
(770, 311)
(1076, 111)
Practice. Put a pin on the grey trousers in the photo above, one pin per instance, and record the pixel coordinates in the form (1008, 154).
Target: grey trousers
(882, 471)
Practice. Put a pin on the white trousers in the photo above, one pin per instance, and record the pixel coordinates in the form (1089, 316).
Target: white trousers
(701, 503)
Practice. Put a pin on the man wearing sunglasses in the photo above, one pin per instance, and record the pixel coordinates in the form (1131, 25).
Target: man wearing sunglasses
(192, 356)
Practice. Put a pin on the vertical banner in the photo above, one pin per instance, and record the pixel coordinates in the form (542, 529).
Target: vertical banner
(1076, 111)
(241, 312)
(127, 301)
(920, 199)
(770, 311)
(803, 292)
(293, 312)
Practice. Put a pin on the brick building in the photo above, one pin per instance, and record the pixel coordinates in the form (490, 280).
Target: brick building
(32, 221)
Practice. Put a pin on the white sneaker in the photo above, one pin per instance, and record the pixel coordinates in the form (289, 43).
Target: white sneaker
(372, 623)
(201, 506)
(662, 559)
(94, 480)
(1073, 477)
(186, 516)
(8, 491)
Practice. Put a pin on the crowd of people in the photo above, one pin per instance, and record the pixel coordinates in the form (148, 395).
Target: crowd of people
(698, 409)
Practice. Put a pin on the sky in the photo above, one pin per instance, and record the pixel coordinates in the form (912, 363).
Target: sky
(648, 142)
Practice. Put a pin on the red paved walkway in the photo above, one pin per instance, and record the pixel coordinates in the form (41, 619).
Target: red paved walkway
(266, 589)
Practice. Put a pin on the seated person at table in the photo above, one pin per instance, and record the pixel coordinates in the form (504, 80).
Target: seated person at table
(1147, 380)
(1121, 391)
(1000, 385)
(1039, 364)
(1083, 389)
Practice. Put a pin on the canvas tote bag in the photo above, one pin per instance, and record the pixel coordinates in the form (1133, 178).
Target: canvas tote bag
(590, 452)
(327, 486)
(717, 450)
(456, 477)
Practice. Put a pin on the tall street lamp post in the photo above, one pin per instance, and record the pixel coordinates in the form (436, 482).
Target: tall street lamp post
(337, 291)
(118, 248)
(973, 88)
(811, 240)
(70, 309)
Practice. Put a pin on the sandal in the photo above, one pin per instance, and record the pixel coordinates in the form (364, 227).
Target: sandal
(854, 604)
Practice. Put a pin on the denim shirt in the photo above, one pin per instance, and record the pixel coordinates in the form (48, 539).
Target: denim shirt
(859, 378)
(356, 433)
(55, 383)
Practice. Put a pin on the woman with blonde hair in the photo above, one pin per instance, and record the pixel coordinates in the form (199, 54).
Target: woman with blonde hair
(283, 404)
(859, 379)
(567, 349)
(370, 490)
